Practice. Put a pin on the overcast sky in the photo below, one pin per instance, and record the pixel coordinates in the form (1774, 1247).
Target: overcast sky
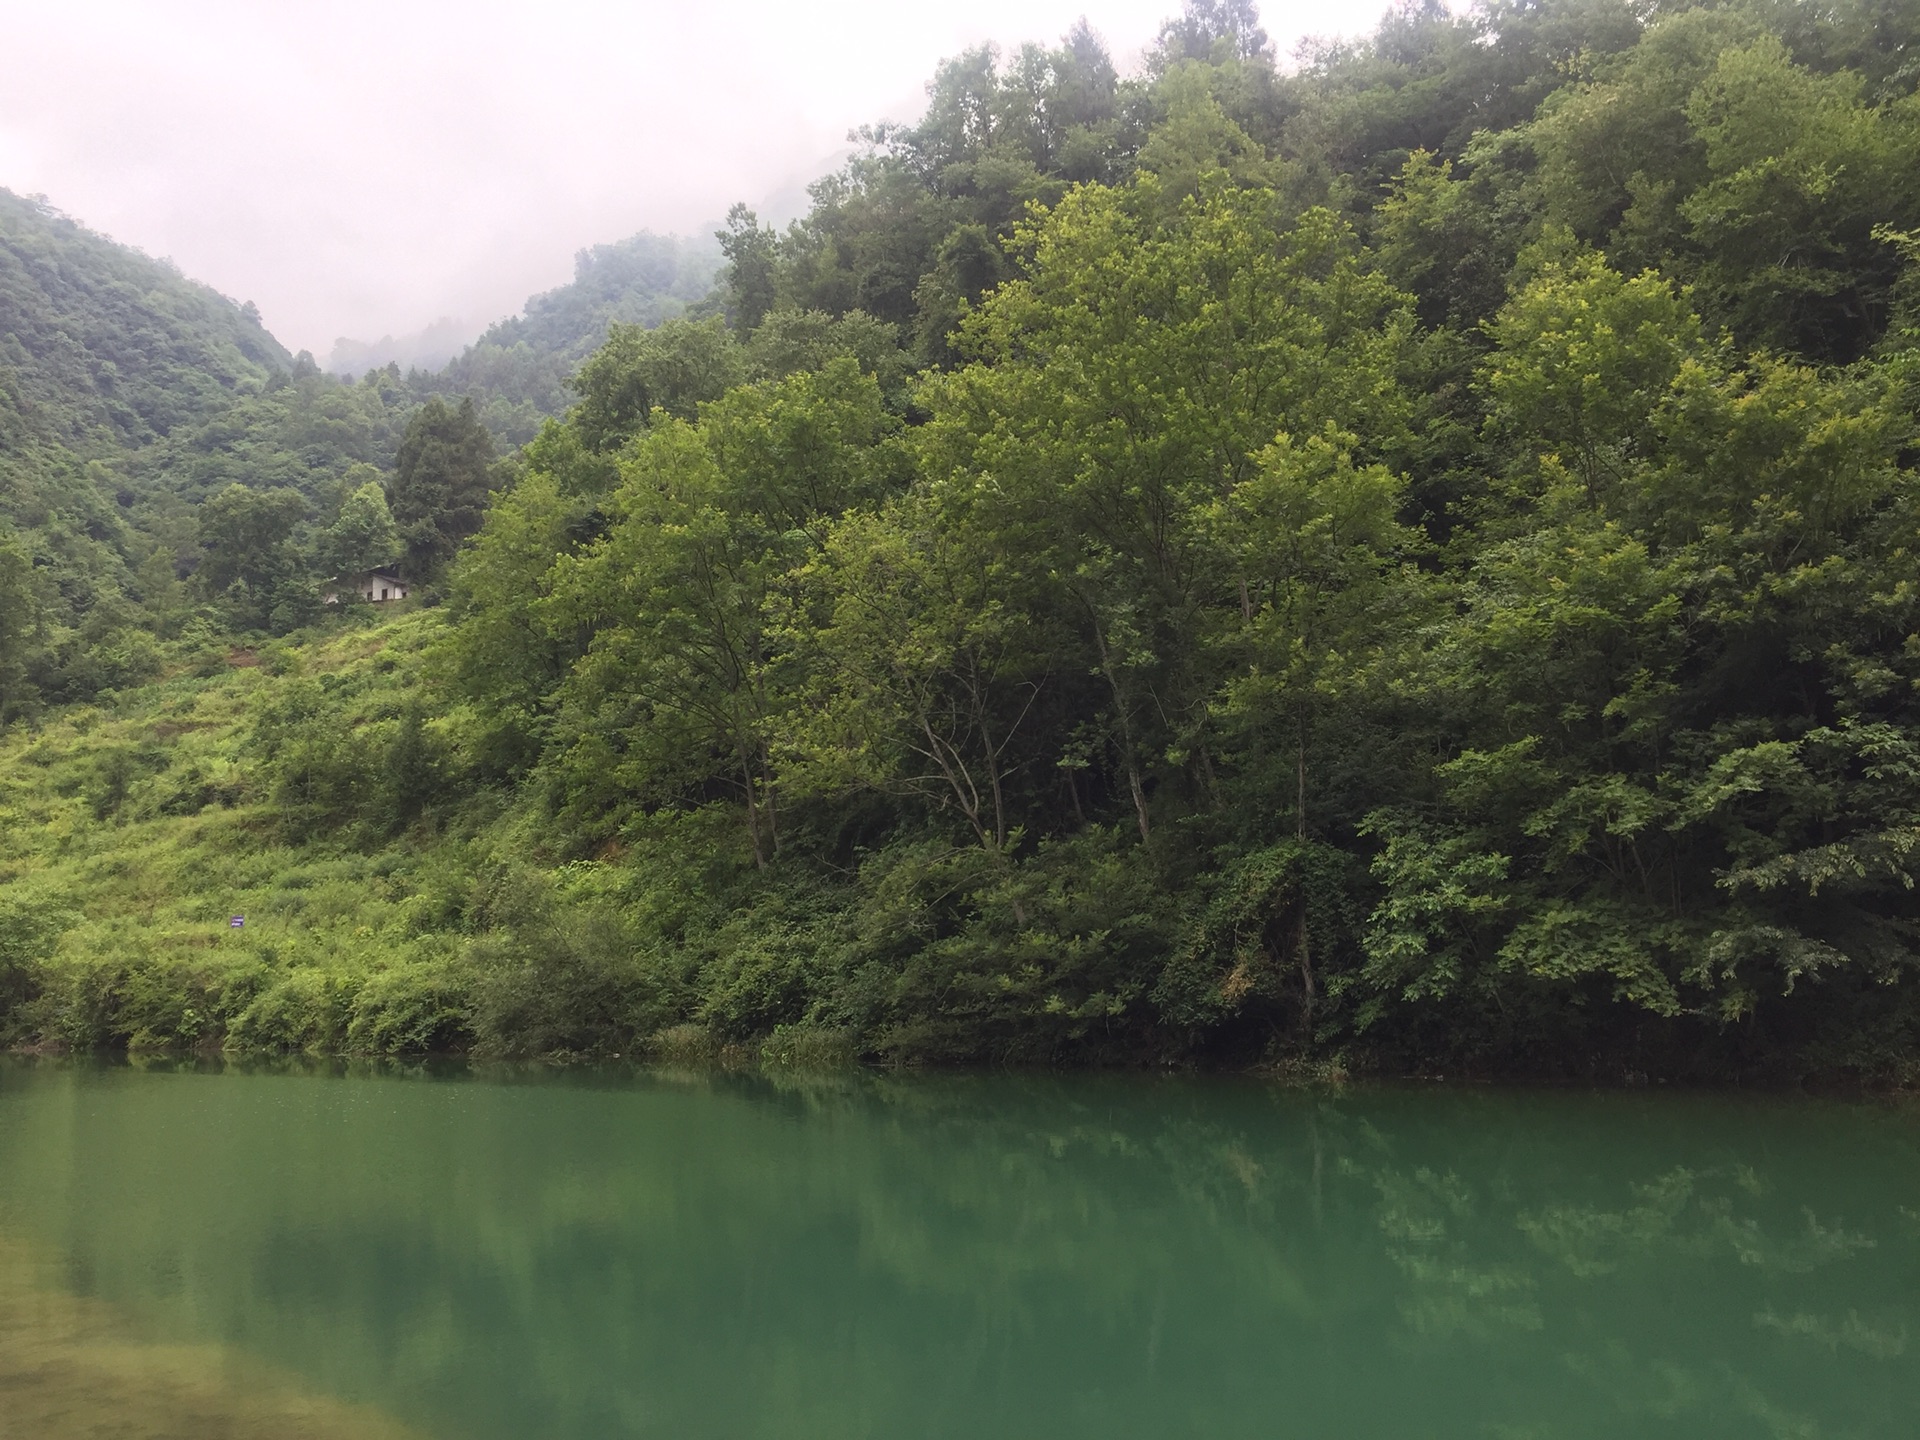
(368, 166)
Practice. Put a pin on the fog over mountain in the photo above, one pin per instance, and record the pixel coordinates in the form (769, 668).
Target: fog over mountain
(432, 346)
(425, 349)
(373, 169)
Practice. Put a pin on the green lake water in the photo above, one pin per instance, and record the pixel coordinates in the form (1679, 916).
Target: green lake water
(683, 1255)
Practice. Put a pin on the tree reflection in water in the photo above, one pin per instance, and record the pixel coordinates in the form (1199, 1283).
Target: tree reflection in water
(521, 1253)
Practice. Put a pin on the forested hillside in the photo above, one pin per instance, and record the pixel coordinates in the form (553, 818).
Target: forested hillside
(130, 395)
(518, 370)
(104, 355)
(1402, 559)
(169, 471)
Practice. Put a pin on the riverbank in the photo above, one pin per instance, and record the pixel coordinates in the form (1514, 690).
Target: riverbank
(169, 884)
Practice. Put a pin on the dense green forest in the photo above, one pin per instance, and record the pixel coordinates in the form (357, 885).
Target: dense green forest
(1400, 559)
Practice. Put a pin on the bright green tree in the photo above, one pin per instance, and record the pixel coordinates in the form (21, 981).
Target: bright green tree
(677, 688)
(363, 535)
(1126, 384)
(921, 666)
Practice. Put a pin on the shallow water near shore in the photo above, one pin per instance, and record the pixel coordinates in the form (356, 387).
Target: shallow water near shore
(571, 1254)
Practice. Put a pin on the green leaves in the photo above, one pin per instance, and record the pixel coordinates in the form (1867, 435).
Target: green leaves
(250, 559)
(1429, 932)
(1583, 357)
(1706, 150)
(1685, 795)
(363, 535)
(1125, 390)
(31, 923)
(672, 368)
(675, 687)
(1197, 140)
(442, 477)
(19, 621)
(1226, 648)
(922, 666)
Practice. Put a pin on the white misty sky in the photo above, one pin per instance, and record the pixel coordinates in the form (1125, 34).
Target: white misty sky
(368, 166)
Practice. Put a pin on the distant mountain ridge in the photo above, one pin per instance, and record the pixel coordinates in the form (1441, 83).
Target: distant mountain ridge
(641, 280)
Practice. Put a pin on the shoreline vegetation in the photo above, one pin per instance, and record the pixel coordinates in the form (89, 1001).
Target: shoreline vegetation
(1383, 564)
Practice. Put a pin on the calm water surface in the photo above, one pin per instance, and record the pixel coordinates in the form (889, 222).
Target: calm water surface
(680, 1255)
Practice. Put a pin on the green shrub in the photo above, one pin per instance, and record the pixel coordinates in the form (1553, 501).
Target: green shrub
(415, 1009)
(766, 973)
(575, 985)
(30, 927)
(809, 1047)
(307, 1008)
(143, 1001)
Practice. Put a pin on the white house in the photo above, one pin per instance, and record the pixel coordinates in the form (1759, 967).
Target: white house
(374, 585)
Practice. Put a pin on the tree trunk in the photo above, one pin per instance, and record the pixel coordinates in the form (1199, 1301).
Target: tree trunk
(1303, 955)
(772, 799)
(1128, 755)
(1139, 798)
(1300, 779)
(753, 810)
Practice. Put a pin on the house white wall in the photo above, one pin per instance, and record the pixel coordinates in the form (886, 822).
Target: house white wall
(377, 586)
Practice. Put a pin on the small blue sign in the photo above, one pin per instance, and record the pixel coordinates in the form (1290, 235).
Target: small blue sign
(237, 922)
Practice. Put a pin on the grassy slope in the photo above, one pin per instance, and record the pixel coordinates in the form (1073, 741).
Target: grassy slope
(141, 824)
(132, 829)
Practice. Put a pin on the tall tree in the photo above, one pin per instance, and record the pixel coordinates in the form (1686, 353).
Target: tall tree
(672, 368)
(1213, 30)
(676, 692)
(247, 537)
(749, 248)
(442, 479)
(363, 535)
(1126, 383)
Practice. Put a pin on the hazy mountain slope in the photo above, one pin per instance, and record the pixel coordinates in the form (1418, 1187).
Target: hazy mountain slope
(128, 393)
(103, 352)
(99, 342)
(431, 347)
(517, 371)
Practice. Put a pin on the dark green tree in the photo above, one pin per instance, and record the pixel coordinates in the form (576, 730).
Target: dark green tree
(749, 248)
(442, 479)
(249, 555)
